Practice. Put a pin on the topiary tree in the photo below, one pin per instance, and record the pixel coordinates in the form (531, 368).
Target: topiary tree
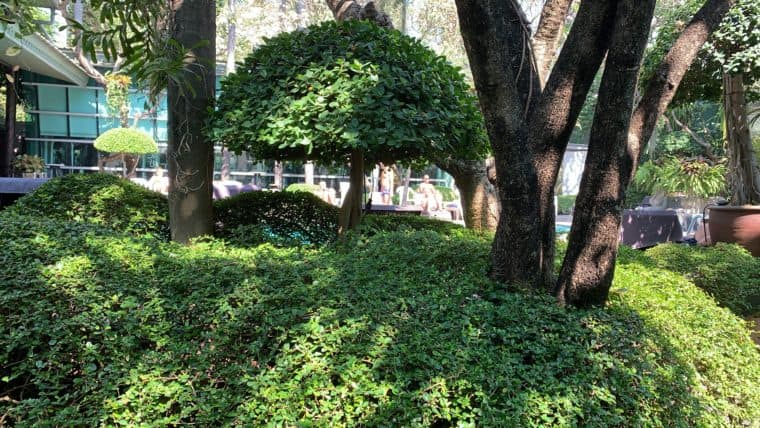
(348, 91)
(125, 141)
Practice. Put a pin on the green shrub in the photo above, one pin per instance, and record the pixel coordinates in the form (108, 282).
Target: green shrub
(100, 199)
(98, 328)
(727, 272)
(565, 204)
(286, 215)
(302, 187)
(378, 223)
(447, 193)
(126, 140)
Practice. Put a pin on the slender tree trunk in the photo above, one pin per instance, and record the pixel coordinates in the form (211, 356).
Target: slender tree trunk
(743, 172)
(278, 182)
(548, 34)
(6, 153)
(351, 210)
(588, 268)
(552, 123)
(190, 155)
(229, 69)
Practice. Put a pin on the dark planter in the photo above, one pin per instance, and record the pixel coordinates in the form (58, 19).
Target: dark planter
(740, 225)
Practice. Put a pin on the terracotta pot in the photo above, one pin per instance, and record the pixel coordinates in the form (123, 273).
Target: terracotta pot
(739, 225)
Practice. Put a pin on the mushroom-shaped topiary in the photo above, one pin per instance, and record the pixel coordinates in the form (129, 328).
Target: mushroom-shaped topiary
(348, 91)
(127, 144)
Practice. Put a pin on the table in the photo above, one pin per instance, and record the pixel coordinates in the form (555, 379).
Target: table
(393, 210)
(648, 227)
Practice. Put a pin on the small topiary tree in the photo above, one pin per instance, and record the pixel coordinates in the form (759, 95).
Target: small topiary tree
(348, 91)
(125, 142)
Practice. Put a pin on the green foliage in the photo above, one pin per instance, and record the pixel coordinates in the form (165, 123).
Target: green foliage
(565, 204)
(117, 93)
(286, 216)
(302, 187)
(403, 329)
(727, 272)
(28, 163)
(100, 199)
(334, 87)
(126, 140)
(688, 176)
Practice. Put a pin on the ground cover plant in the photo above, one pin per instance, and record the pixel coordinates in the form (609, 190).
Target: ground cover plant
(397, 329)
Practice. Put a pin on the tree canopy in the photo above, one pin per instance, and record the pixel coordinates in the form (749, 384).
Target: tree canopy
(335, 87)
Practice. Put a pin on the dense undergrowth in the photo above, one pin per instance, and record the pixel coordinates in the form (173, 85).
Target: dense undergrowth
(389, 328)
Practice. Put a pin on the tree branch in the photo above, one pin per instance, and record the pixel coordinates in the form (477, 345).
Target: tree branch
(696, 137)
(547, 35)
(669, 74)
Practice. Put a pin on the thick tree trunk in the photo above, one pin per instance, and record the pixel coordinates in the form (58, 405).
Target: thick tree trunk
(552, 123)
(6, 152)
(547, 35)
(743, 172)
(589, 266)
(497, 47)
(477, 192)
(351, 210)
(190, 155)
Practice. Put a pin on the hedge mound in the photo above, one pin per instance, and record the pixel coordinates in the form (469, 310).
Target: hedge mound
(98, 328)
(99, 199)
(289, 216)
(727, 272)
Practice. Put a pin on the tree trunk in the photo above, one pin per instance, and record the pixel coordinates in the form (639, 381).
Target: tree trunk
(496, 41)
(229, 69)
(189, 154)
(552, 123)
(477, 191)
(589, 266)
(6, 153)
(351, 210)
(743, 174)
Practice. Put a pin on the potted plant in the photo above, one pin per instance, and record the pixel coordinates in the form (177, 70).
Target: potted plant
(693, 180)
(29, 166)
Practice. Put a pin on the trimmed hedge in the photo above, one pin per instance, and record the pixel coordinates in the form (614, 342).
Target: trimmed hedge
(99, 199)
(398, 329)
(287, 216)
(126, 140)
(565, 204)
(727, 272)
(378, 223)
(302, 187)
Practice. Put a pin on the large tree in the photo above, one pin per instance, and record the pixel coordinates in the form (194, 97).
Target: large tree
(529, 125)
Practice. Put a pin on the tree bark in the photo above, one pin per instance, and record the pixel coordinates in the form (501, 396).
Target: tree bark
(6, 153)
(190, 154)
(477, 191)
(351, 211)
(743, 172)
(344, 10)
(496, 42)
(588, 268)
(547, 35)
(552, 123)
